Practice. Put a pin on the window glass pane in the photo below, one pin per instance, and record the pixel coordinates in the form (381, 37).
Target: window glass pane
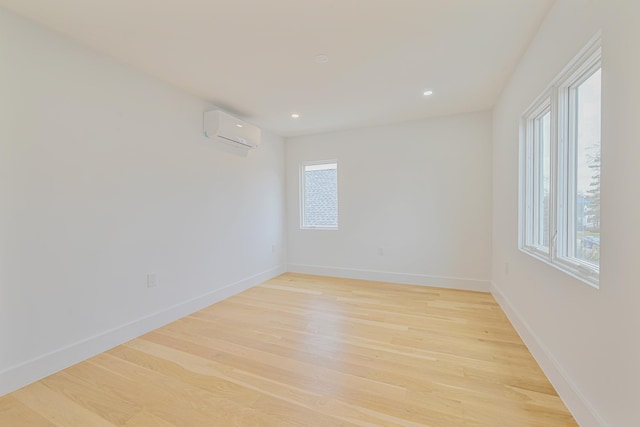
(542, 164)
(587, 203)
(320, 198)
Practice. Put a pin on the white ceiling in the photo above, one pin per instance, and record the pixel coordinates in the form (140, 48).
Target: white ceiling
(255, 58)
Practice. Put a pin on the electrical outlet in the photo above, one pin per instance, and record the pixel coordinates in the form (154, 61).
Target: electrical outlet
(381, 251)
(273, 249)
(506, 268)
(152, 280)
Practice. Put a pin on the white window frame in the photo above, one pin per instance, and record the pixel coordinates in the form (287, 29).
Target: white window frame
(302, 195)
(559, 99)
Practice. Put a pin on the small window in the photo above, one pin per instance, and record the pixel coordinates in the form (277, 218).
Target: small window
(319, 195)
(560, 170)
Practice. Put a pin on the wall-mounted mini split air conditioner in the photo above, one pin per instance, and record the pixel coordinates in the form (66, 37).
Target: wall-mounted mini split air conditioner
(223, 127)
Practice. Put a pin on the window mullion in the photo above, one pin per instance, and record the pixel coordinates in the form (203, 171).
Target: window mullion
(553, 184)
(562, 174)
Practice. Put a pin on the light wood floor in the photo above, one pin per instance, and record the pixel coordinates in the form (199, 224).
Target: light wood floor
(309, 351)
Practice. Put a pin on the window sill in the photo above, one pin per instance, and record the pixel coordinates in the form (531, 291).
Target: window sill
(587, 275)
(319, 228)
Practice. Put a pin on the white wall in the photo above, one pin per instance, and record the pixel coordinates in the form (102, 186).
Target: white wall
(105, 177)
(587, 340)
(420, 190)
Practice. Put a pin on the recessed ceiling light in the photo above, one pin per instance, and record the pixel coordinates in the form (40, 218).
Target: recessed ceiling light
(295, 116)
(239, 125)
(322, 59)
(428, 93)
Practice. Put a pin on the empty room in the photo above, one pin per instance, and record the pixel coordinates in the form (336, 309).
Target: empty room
(319, 213)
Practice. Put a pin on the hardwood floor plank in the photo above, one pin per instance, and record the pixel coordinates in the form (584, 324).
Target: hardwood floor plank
(15, 413)
(145, 419)
(309, 351)
(57, 408)
(89, 396)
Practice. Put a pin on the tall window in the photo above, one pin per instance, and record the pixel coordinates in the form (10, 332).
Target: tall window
(560, 170)
(319, 195)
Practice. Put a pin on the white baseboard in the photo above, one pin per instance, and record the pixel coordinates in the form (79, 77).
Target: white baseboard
(35, 369)
(387, 276)
(578, 405)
